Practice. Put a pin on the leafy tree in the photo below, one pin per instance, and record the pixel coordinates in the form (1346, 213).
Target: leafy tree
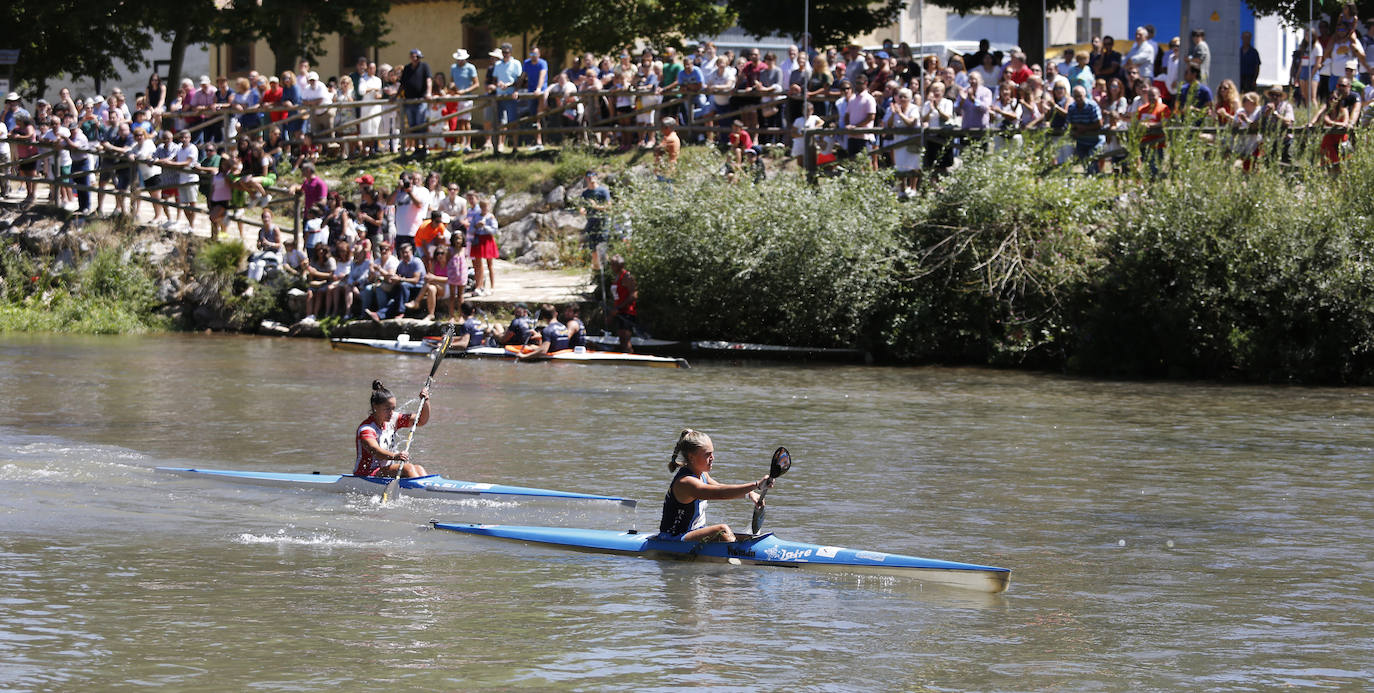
(1030, 18)
(1296, 11)
(832, 22)
(188, 22)
(297, 28)
(73, 37)
(601, 25)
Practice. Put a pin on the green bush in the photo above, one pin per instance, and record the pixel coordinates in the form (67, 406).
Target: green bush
(103, 295)
(221, 259)
(1011, 260)
(780, 263)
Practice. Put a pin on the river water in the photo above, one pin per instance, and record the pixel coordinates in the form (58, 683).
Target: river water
(1161, 536)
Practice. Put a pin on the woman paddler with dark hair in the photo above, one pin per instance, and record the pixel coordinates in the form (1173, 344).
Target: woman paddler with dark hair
(376, 440)
(684, 506)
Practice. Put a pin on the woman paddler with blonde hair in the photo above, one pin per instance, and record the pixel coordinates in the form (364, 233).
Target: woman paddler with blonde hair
(684, 506)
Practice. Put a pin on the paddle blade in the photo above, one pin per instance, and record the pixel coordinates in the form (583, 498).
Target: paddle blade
(393, 488)
(782, 461)
(758, 520)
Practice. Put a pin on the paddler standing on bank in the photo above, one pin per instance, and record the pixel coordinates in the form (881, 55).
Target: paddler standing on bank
(376, 437)
(684, 506)
(624, 296)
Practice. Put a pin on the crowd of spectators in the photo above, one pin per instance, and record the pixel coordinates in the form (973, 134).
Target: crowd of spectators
(212, 138)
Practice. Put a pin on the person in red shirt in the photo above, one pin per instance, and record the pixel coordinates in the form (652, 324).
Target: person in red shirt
(272, 97)
(1152, 115)
(376, 440)
(624, 294)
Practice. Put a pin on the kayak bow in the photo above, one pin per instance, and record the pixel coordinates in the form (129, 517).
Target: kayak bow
(763, 549)
(432, 486)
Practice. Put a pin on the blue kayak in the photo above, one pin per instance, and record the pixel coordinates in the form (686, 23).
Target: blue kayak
(763, 549)
(432, 486)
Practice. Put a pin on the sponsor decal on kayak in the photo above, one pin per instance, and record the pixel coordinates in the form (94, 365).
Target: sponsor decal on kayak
(740, 552)
(828, 551)
(473, 486)
(774, 553)
(870, 556)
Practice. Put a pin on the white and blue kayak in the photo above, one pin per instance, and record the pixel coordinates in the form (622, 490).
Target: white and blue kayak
(432, 486)
(404, 345)
(762, 549)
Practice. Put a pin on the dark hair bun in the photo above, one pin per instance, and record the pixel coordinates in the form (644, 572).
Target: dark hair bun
(377, 385)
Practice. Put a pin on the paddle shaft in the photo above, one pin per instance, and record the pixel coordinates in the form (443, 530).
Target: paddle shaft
(401, 464)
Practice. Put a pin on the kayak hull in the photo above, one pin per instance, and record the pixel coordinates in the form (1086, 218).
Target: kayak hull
(717, 349)
(432, 486)
(762, 550)
(425, 348)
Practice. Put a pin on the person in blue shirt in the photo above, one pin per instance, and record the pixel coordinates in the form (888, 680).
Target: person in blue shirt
(463, 76)
(1085, 122)
(1081, 74)
(536, 71)
(521, 330)
(506, 72)
(472, 332)
(1194, 99)
(553, 337)
(1249, 62)
(691, 79)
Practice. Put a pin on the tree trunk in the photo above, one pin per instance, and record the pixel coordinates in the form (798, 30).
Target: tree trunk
(1030, 32)
(180, 38)
(286, 43)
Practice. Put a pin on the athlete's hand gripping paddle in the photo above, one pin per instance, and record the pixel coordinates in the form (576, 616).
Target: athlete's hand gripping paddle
(782, 461)
(395, 486)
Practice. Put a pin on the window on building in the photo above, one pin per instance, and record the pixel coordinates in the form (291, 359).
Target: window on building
(350, 49)
(478, 40)
(240, 59)
(1087, 31)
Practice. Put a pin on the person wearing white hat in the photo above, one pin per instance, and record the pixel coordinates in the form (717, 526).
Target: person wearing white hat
(463, 77)
(316, 93)
(202, 101)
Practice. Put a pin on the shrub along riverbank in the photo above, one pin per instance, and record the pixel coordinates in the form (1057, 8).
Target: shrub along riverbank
(1208, 272)
(1009, 261)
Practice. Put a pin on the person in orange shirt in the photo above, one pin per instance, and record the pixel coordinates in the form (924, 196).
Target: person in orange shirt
(1152, 115)
(431, 232)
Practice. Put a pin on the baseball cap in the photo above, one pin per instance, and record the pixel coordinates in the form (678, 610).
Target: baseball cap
(1352, 65)
(313, 76)
(365, 179)
(205, 79)
(417, 52)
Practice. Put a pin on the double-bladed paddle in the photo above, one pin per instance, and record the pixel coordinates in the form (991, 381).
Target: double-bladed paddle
(439, 355)
(782, 461)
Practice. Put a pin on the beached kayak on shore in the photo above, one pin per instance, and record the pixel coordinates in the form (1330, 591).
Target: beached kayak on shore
(719, 349)
(762, 549)
(425, 347)
(432, 486)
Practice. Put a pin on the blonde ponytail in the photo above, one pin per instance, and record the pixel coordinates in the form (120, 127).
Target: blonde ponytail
(687, 441)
